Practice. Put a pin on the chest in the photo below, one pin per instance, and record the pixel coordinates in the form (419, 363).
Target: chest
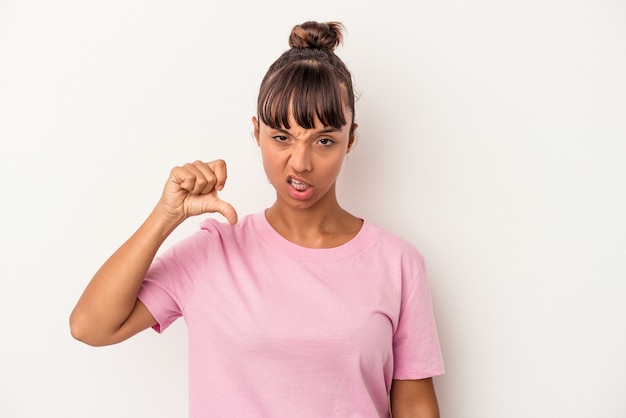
(341, 310)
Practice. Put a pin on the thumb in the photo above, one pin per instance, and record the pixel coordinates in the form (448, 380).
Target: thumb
(227, 211)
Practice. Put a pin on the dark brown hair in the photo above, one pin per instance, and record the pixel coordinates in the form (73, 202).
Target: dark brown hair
(308, 80)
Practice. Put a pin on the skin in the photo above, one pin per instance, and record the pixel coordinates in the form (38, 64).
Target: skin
(313, 156)
(414, 399)
(109, 312)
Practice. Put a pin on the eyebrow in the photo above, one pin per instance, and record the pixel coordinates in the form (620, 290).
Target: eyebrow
(328, 130)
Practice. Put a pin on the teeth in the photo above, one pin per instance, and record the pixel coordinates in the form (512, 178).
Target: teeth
(298, 185)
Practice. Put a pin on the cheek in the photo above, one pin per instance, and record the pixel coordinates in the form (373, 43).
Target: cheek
(269, 162)
(266, 165)
(337, 160)
(332, 165)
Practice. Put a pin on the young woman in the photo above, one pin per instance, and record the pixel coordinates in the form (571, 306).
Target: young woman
(302, 310)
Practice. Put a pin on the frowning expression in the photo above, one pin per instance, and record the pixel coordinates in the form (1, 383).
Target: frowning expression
(303, 164)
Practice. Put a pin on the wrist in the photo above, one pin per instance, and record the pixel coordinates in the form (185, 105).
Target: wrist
(162, 222)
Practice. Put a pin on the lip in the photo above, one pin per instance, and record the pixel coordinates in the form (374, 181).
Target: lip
(299, 180)
(300, 193)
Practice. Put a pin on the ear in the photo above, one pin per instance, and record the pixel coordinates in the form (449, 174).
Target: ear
(352, 137)
(257, 128)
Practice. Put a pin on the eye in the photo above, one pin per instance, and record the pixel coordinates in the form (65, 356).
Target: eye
(326, 141)
(280, 138)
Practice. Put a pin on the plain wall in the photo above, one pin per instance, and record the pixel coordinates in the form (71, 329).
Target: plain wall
(492, 136)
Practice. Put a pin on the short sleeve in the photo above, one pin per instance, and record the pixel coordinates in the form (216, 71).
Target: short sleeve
(154, 294)
(417, 354)
(171, 279)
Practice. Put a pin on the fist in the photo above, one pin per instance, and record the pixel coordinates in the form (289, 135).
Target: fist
(192, 190)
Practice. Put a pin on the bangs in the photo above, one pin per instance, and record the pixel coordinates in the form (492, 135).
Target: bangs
(308, 91)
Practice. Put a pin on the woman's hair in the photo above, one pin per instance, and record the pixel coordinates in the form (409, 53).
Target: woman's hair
(308, 80)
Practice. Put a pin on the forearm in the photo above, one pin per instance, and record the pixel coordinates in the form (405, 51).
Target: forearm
(414, 399)
(111, 295)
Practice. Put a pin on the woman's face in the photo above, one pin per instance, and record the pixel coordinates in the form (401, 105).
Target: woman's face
(303, 164)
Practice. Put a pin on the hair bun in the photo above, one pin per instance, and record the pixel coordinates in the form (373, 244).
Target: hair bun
(316, 35)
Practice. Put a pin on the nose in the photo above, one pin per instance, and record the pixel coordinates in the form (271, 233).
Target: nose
(300, 159)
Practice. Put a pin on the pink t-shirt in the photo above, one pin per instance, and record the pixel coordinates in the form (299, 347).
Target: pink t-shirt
(279, 330)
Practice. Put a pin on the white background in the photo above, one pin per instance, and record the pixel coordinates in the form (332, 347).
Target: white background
(492, 136)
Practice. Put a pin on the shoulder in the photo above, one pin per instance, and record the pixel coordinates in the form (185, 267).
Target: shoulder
(401, 258)
(212, 235)
(392, 243)
(212, 226)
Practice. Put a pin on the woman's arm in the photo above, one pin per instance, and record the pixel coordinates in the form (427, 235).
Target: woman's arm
(108, 310)
(414, 399)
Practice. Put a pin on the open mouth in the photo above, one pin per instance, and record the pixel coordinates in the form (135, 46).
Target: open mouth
(298, 185)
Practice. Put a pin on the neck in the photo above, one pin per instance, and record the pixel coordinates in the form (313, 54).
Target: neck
(325, 226)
